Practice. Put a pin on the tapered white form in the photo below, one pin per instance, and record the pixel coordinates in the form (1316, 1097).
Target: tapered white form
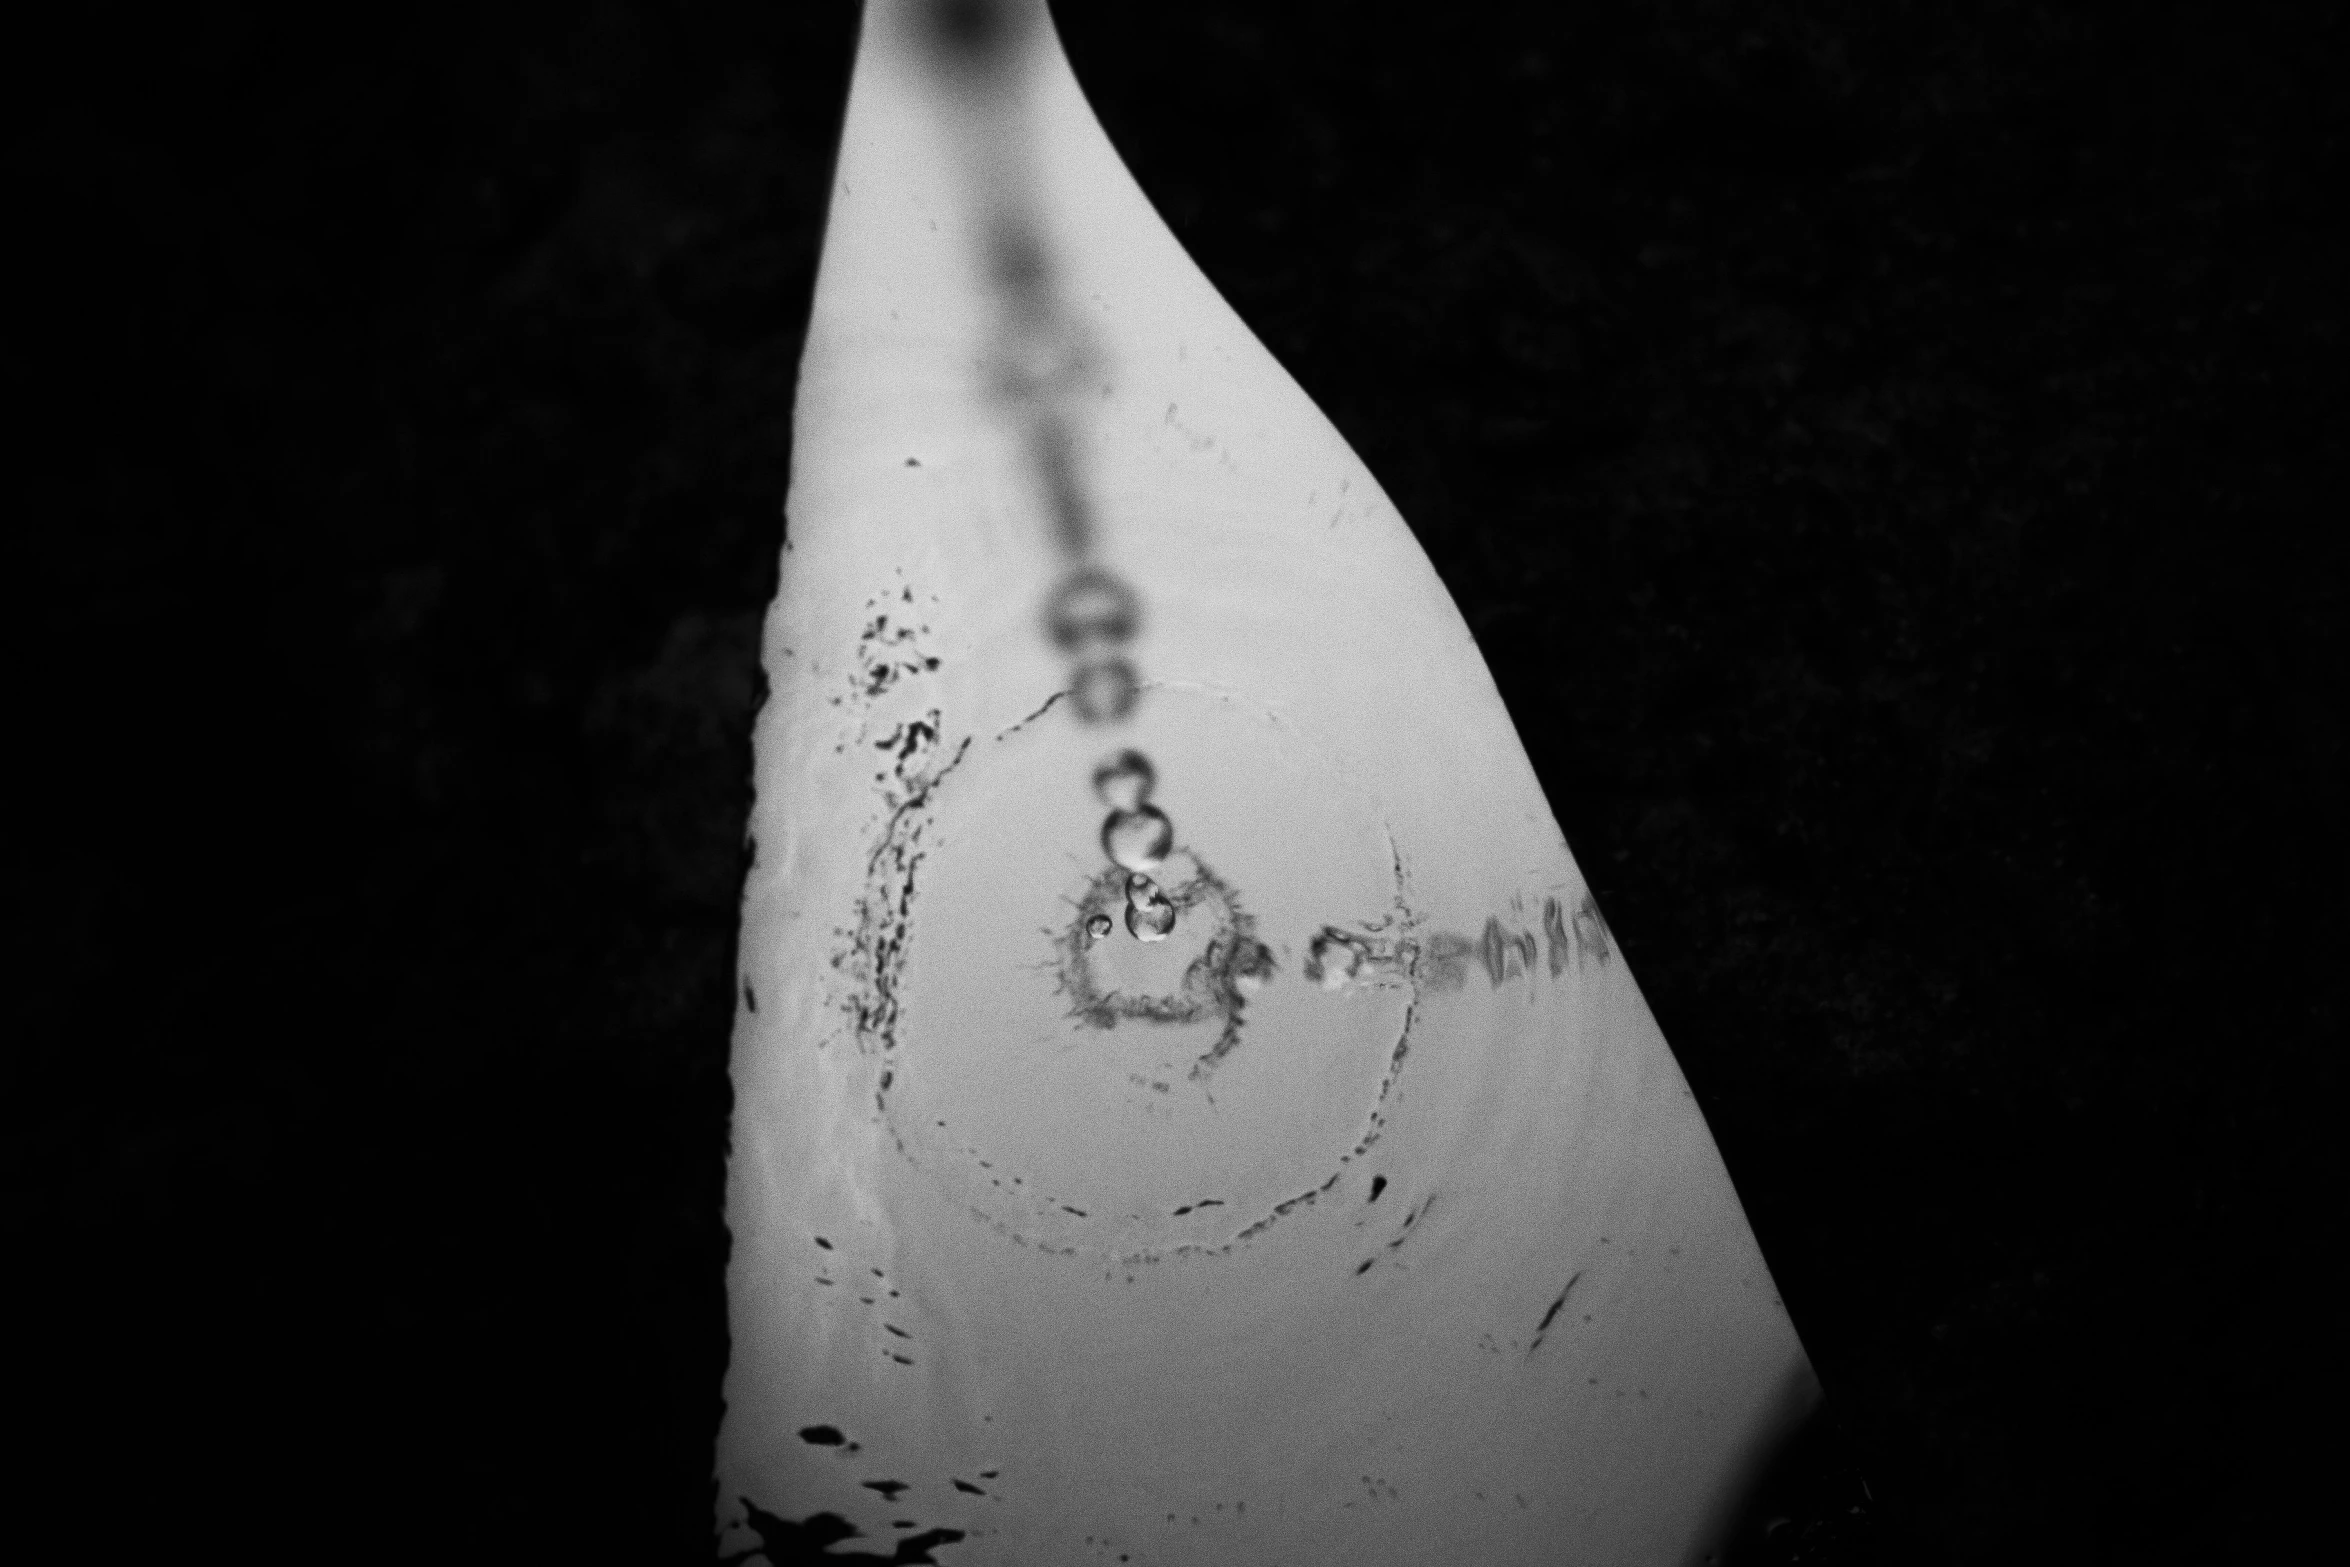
(1079, 1248)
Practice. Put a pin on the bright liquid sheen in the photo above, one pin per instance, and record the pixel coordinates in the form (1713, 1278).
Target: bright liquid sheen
(1049, 1247)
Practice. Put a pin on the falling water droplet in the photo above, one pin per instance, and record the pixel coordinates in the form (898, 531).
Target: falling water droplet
(1098, 926)
(1151, 919)
(1139, 839)
(1091, 608)
(1124, 781)
(1104, 690)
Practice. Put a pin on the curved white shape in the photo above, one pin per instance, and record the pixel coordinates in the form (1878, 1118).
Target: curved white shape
(1418, 1251)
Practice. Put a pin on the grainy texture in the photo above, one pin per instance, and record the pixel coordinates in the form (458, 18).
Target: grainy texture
(1885, 452)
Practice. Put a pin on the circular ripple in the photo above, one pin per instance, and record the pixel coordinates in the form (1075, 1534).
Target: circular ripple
(1103, 1094)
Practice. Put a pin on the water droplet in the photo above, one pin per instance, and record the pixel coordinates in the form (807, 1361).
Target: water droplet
(1104, 690)
(1098, 926)
(1138, 840)
(1151, 920)
(1091, 608)
(1124, 781)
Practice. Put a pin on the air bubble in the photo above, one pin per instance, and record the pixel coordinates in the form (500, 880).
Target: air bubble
(1091, 608)
(1140, 890)
(1124, 781)
(1098, 926)
(1104, 690)
(1152, 918)
(1138, 840)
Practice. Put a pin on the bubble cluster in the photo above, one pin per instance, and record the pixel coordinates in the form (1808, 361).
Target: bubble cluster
(1043, 358)
(1137, 836)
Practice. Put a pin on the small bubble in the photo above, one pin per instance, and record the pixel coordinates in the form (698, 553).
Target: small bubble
(1140, 890)
(1138, 840)
(1152, 919)
(1098, 926)
(1089, 608)
(1124, 781)
(1104, 690)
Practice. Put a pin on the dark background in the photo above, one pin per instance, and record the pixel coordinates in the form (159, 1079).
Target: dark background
(1885, 449)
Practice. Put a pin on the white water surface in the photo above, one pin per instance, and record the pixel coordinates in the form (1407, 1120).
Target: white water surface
(1072, 1246)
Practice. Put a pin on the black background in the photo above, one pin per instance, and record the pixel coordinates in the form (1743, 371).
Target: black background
(1891, 455)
